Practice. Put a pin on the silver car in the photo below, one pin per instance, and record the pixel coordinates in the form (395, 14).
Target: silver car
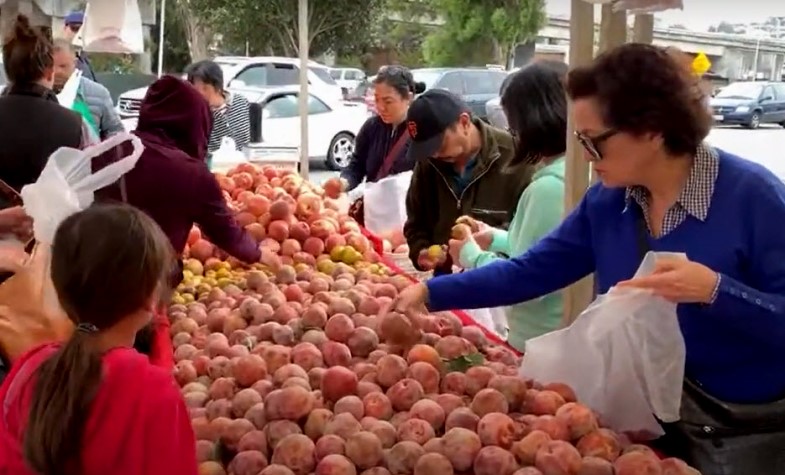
(495, 113)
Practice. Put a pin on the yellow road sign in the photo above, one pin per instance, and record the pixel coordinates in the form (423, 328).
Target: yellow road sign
(701, 64)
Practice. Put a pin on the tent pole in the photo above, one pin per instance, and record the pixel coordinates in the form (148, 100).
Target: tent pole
(578, 296)
(302, 24)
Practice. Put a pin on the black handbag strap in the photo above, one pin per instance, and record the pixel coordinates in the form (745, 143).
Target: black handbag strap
(642, 235)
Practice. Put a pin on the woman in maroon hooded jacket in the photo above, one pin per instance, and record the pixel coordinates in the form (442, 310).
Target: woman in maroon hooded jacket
(171, 182)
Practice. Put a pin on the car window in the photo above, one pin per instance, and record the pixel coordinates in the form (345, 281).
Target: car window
(480, 82)
(354, 75)
(286, 105)
(768, 92)
(254, 76)
(741, 90)
(336, 73)
(498, 78)
(452, 82)
(323, 74)
(282, 75)
(779, 91)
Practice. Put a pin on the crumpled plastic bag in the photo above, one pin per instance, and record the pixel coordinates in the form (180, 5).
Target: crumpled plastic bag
(30, 312)
(112, 27)
(624, 357)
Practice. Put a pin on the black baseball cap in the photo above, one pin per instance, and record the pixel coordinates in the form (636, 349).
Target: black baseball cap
(429, 116)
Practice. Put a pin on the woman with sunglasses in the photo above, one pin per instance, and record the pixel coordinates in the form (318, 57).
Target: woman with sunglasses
(535, 104)
(641, 119)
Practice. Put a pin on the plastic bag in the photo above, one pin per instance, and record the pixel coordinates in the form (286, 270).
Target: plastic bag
(385, 203)
(492, 319)
(67, 96)
(227, 156)
(624, 357)
(67, 184)
(109, 29)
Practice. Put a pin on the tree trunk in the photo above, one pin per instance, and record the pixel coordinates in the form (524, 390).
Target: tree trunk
(198, 35)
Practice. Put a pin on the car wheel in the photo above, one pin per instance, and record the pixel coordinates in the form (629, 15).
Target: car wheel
(341, 151)
(754, 122)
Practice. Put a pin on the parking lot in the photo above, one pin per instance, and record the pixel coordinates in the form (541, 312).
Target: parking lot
(765, 145)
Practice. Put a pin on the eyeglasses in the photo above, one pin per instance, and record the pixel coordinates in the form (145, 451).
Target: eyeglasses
(592, 144)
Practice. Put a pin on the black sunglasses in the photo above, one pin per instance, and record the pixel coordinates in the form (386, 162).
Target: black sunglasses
(592, 144)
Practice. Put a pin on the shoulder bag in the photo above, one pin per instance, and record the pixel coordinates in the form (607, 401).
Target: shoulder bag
(357, 209)
(722, 438)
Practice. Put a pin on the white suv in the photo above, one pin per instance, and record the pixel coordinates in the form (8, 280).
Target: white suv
(250, 76)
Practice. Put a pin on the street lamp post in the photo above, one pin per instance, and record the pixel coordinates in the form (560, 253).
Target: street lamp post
(303, 102)
(161, 29)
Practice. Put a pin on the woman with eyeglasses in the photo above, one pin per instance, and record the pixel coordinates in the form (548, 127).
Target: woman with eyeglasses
(640, 117)
(535, 104)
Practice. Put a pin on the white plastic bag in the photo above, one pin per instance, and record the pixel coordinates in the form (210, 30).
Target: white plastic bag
(67, 184)
(492, 319)
(112, 27)
(624, 357)
(67, 96)
(385, 203)
(227, 156)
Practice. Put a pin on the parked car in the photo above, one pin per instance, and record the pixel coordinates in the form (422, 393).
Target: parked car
(364, 93)
(750, 103)
(332, 125)
(251, 76)
(475, 85)
(495, 114)
(347, 78)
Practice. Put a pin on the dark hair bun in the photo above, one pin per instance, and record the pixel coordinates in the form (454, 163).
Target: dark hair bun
(419, 87)
(23, 30)
(27, 52)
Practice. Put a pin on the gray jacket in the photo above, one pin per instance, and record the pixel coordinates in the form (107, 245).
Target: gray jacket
(99, 101)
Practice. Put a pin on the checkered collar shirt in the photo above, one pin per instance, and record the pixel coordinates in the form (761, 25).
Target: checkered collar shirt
(694, 199)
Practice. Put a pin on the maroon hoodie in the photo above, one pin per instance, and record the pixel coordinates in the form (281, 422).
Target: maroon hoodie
(171, 181)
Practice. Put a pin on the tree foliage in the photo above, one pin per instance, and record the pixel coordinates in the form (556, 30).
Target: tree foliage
(475, 31)
(271, 26)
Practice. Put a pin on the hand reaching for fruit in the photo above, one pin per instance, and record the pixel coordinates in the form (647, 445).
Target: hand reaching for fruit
(484, 238)
(432, 257)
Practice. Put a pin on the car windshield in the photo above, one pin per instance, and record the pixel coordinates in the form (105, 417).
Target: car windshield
(741, 90)
(335, 73)
(323, 74)
(427, 77)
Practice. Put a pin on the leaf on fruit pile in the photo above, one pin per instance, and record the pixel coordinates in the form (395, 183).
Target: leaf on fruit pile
(464, 362)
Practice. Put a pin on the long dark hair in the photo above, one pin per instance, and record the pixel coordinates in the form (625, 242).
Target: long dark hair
(107, 263)
(535, 103)
(27, 53)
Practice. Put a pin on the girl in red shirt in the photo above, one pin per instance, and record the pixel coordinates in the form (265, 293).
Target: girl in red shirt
(94, 405)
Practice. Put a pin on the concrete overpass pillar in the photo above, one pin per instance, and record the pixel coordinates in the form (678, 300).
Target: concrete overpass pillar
(643, 29)
(613, 28)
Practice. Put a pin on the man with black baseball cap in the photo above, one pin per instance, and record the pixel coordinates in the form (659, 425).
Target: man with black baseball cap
(461, 170)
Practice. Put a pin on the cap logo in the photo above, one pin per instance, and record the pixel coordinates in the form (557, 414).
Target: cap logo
(411, 126)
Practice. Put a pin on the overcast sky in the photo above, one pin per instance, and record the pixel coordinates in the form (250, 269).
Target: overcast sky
(700, 14)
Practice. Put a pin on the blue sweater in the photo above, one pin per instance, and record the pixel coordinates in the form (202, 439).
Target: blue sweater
(735, 346)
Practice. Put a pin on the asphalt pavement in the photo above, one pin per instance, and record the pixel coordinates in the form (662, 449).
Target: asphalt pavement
(765, 145)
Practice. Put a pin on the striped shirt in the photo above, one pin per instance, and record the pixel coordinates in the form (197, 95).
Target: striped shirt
(231, 120)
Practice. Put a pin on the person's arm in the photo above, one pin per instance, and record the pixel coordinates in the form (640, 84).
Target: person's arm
(240, 121)
(88, 136)
(218, 223)
(110, 123)
(562, 257)
(169, 434)
(758, 309)
(417, 229)
(355, 172)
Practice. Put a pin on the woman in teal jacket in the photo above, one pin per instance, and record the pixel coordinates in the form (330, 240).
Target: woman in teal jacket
(535, 103)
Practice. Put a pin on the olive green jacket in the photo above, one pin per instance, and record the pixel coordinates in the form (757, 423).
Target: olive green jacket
(491, 195)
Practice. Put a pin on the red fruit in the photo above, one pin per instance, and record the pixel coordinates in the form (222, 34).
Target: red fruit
(337, 382)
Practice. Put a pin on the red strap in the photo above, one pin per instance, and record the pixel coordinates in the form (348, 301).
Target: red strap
(390, 158)
(161, 351)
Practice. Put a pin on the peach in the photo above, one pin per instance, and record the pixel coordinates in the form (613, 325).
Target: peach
(307, 356)
(362, 341)
(335, 465)
(342, 425)
(513, 388)
(601, 443)
(416, 430)
(477, 378)
(253, 440)
(405, 393)
(637, 463)
(292, 403)
(596, 466)
(434, 445)
(525, 450)
(390, 369)
(329, 445)
(425, 354)
(339, 327)
(433, 464)
(397, 329)
(462, 417)
(454, 382)
(527, 471)
(429, 411)
(276, 356)
(277, 430)
(558, 458)
(378, 405)
(553, 427)
(399, 418)
(235, 431)
(338, 381)
(565, 391)
(336, 354)
(376, 471)
(489, 400)
(211, 468)
(426, 374)
(449, 402)
(496, 429)
(461, 447)
(248, 462)
(545, 403)
(402, 457)
(364, 449)
(316, 422)
(205, 451)
(494, 460)
(451, 347)
(244, 400)
(350, 404)
(276, 470)
(384, 431)
(287, 371)
(580, 420)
